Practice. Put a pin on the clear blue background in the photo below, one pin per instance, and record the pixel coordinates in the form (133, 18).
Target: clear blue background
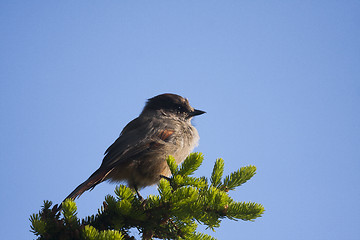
(280, 81)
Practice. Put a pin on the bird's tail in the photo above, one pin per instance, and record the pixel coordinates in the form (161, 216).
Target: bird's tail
(97, 177)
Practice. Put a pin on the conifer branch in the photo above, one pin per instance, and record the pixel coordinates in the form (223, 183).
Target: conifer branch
(182, 202)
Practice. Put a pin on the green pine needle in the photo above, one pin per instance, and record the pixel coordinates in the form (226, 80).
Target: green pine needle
(244, 211)
(38, 227)
(124, 193)
(237, 178)
(165, 189)
(69, 210)
(172, 164)
(217, 172)
(202, 236)
(191, 164)
(90, 233)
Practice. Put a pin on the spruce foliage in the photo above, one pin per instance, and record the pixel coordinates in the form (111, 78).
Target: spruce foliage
(182, 203)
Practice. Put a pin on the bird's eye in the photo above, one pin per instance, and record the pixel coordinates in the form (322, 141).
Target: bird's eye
(181, 109)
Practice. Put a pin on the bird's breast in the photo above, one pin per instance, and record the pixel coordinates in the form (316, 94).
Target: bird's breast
(184, 142)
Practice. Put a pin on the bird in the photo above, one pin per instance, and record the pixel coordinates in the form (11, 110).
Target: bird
(138, 155)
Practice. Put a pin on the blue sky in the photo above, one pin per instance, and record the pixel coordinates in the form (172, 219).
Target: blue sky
(279, 80)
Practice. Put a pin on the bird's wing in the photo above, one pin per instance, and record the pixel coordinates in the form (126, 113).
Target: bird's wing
(138, 136)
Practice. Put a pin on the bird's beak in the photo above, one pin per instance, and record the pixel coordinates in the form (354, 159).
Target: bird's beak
(196, 112)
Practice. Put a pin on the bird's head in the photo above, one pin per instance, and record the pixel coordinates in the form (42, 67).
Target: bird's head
(171, 104)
